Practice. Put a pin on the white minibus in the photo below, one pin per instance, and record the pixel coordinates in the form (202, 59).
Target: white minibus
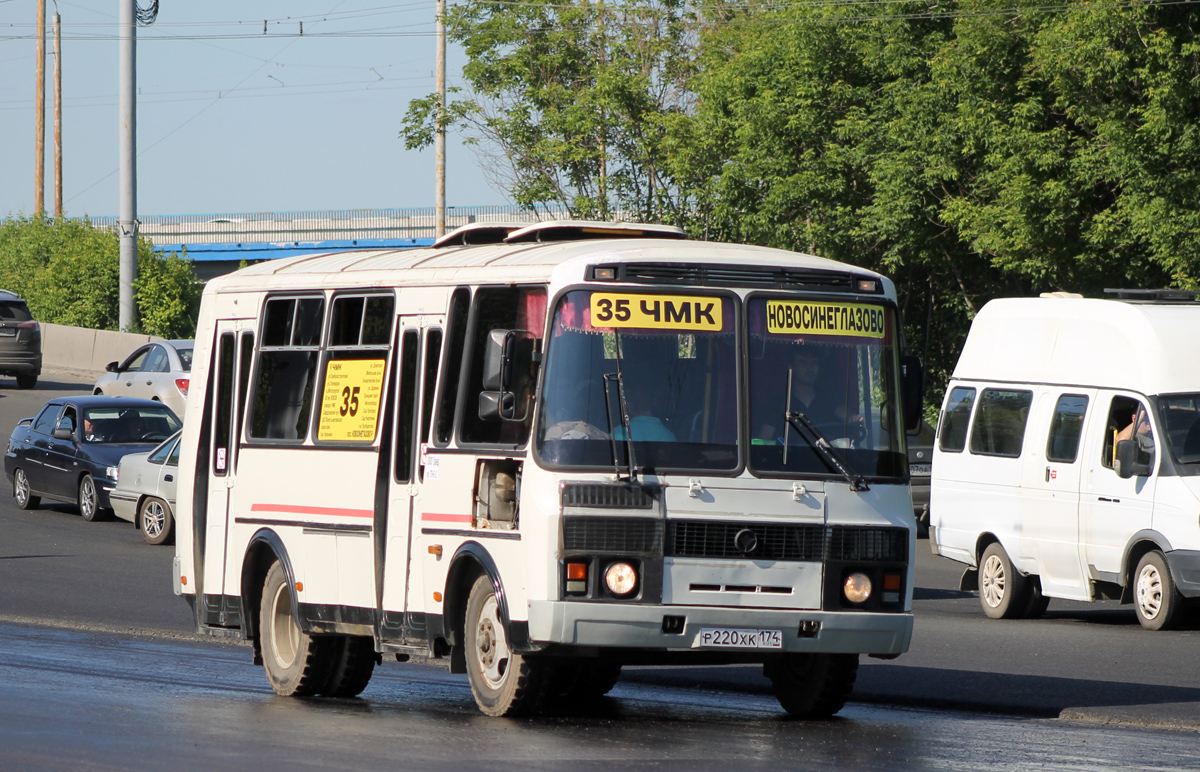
(1067, 460)
(547, 452)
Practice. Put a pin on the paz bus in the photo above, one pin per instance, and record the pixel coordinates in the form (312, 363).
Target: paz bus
(547, 452)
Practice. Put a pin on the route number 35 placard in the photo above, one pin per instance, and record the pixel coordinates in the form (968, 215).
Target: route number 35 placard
(350, 402)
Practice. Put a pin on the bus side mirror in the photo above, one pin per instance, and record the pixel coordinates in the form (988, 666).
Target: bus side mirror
(508, 364)
(912, 386)
(1126, 464)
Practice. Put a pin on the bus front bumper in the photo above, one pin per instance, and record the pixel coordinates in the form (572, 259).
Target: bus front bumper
(642, 627)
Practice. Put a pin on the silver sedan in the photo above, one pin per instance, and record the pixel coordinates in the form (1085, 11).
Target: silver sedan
(145, 492)
(160, 371)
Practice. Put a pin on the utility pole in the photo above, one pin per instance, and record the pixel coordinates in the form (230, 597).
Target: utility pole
(127, 158)
(39, 109)
(439, 139)
(58, 206)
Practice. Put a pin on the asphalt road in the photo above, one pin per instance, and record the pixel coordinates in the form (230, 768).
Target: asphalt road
(1083, 662)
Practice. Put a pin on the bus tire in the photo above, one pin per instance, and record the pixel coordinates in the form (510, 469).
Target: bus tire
(1155, 597)
(812, 685)
(352, 663)
(504, 682)
(1003, 591)
(296, 662)
(583, 680)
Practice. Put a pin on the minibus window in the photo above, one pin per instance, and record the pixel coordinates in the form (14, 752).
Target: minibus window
(1066, 427)
(352, 378)
(460, 305)
(999, 428)
(433, 348)
(1181, 421)
(223, 420)
(501, 308)
(955, 419)
(1128, 419)
(287, 368)
(408, 406)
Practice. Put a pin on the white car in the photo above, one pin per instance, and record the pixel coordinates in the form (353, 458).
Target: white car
(145, 492)
(160, 371)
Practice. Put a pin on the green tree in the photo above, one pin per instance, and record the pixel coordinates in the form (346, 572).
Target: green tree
(68, 273)
(576, 98)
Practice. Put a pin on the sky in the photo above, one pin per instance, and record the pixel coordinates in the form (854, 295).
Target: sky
(229, 119)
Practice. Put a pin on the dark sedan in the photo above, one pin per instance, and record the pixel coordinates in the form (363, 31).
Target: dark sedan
(70, 450)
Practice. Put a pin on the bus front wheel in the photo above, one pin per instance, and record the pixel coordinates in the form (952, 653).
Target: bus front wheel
(813, 685)
(504, 682)
(296, 662)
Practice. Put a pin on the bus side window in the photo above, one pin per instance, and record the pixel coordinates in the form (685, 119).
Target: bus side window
(224, 406)
(433, 348)
(287, 368)
(460, 305)
(407, 402)
(500, 308)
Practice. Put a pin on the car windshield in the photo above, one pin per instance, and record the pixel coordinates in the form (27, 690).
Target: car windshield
(1181, 419)
(185, 358)
(119, 424)
(841, 362)
(672, 357)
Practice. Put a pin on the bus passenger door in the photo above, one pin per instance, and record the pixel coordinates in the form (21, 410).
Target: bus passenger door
(419, 352)
(232, 355)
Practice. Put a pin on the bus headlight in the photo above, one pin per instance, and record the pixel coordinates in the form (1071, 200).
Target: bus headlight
(621, 579)
(857, 587)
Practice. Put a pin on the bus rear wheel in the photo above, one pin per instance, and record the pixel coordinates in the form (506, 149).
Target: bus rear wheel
(813, 685)
(583, 680)
(296, 662)
(504, 682)
(1003, 591)
(352, 663)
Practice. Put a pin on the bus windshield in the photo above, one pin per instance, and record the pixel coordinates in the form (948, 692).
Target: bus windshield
(843, 367)
(673, 357)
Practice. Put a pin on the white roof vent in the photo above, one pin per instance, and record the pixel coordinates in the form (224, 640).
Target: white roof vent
(577, 230)
(1060, 295)
(475, 233)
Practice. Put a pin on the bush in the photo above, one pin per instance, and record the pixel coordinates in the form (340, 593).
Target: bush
(68, 272)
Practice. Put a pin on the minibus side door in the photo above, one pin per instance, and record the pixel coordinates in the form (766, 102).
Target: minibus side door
(1114, 509)
(417, 360)
(1050, 503)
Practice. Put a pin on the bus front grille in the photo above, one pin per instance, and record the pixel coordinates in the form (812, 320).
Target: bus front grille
(771, 541)
(613, 534)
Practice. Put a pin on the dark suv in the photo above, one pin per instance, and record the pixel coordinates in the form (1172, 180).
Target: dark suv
(20, 341)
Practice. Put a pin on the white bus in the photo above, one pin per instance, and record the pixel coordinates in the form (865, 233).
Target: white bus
(547, 452)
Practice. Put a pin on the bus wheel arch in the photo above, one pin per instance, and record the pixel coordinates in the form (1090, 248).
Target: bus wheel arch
(470, 561)
(1141, 543)
(264, 550)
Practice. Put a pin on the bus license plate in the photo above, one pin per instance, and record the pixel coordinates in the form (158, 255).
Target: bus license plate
(729, 638)
(920, 470)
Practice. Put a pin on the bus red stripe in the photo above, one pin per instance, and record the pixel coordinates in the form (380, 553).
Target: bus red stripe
(296, 509)
(436, 517)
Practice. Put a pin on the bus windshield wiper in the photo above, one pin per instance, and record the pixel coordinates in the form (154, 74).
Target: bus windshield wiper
(819, 442)
(618, 378)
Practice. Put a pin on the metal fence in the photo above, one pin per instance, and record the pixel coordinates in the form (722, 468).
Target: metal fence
(319, 225)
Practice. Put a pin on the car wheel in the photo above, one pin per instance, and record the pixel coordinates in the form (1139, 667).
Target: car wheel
(89, 502)
(504, 682)
(1155, 597)
(26, 381)
(1003, 591)
(156, 522)
(22, 492)
(296, 663)
(812, 685)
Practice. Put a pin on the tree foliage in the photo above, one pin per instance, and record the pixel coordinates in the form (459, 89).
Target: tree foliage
(968, 149)
(68, 273)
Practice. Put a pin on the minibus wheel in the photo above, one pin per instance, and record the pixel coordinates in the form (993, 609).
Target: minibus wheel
(1155, 597)
(504, 682)
(351, 664)
(296, 662)
(583, 680)
(812, 685)
(1003, 591)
